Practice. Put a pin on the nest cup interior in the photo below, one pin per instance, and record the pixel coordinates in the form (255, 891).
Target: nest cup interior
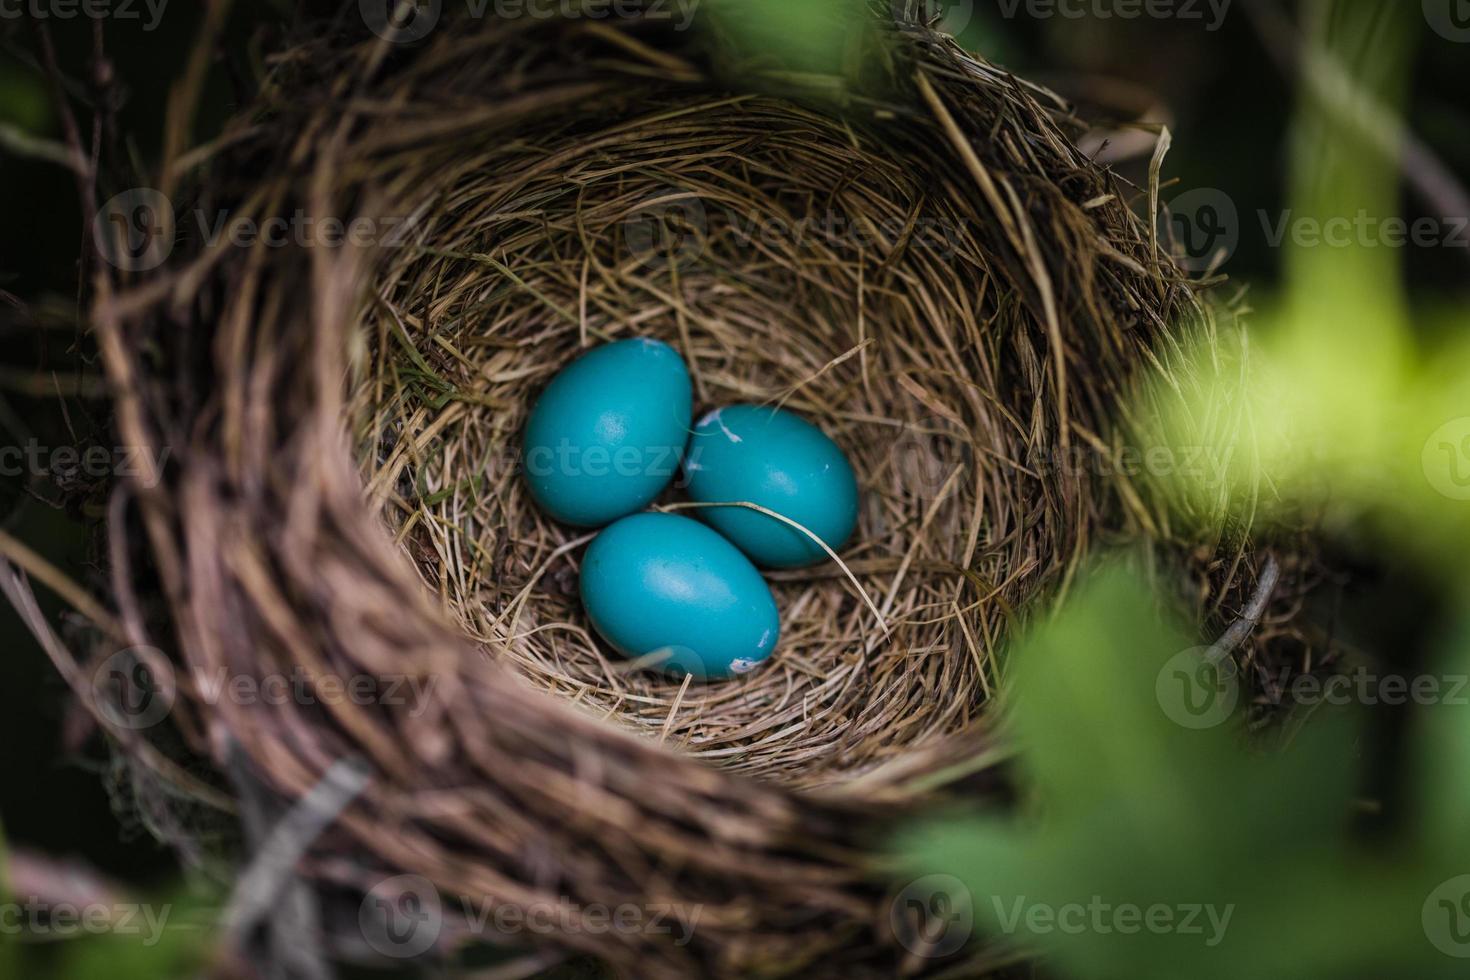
(791, 261)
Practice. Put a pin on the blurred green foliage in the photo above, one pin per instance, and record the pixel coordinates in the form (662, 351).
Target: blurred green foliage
(1253, 855)
(1347, 407)
(158, 938)
(811, 37)
(1343, 409)
(23, 102)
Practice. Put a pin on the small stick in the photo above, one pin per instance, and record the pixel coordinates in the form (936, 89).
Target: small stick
(1250, 617)
(788, 521)
(272, 871)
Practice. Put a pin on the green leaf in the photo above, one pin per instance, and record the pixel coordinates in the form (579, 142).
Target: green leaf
(166, 939)
(1442, 756)
(1149, 848)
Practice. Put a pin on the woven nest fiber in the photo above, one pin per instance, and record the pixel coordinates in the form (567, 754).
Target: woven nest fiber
(917, 258)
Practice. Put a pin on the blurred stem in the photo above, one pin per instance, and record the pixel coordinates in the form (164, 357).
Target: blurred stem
(1347, 151)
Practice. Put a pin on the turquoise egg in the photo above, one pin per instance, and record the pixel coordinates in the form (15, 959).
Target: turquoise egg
(607, 434)
(664, 583)
(782, 462)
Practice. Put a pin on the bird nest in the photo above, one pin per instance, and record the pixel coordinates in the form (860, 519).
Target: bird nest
(915, 257)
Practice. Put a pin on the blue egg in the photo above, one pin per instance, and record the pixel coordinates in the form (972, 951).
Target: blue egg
(776, 459)
(661, 583)
(607, 434)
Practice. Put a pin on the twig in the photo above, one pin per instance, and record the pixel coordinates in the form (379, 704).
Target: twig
(267, 887)
(1250, 617)
(872, 607)
(57, 581)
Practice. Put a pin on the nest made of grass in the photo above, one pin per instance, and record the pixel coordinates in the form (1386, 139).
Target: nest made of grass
(793, 259)
(691, 222)
(952, 291)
